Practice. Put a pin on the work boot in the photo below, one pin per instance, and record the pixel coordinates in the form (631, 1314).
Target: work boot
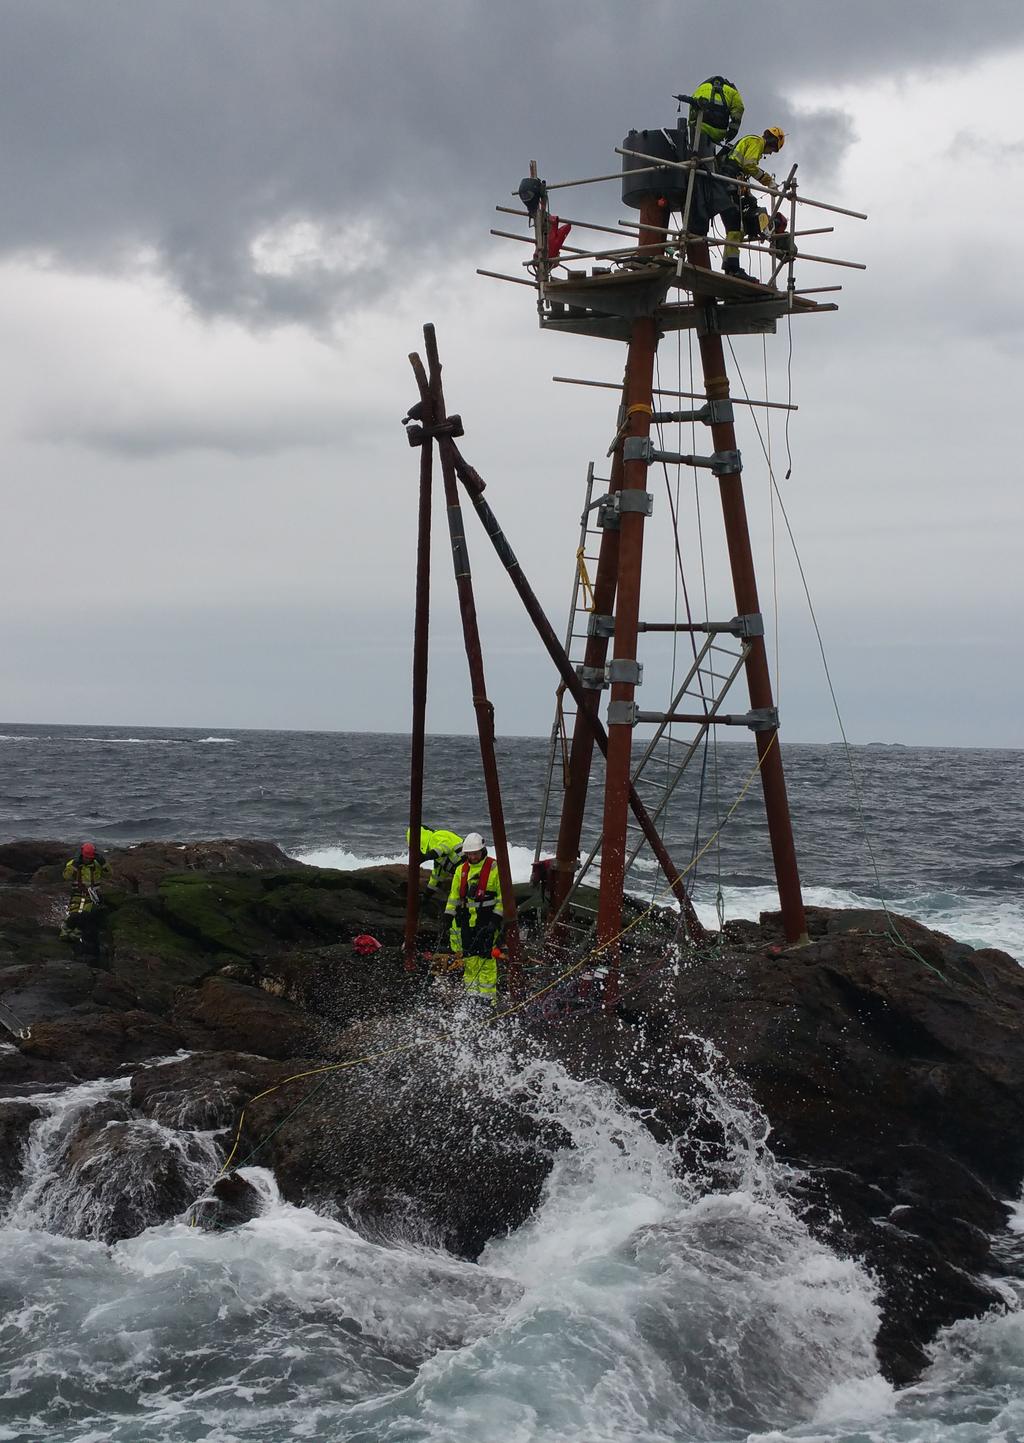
(732, 267)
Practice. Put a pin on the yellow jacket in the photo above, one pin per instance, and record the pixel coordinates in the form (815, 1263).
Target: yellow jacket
(722, 108)
(444, 850)
(83, 875)
(745, 159)
(472, 904)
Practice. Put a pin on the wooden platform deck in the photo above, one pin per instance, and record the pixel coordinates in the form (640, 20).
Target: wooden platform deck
(605, 304)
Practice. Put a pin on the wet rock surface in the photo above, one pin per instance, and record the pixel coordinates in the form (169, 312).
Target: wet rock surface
(889, 1067)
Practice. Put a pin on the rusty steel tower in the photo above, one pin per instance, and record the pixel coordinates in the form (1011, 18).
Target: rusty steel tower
(659, 279)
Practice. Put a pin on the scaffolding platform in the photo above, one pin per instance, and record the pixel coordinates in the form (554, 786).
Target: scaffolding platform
(604, 304)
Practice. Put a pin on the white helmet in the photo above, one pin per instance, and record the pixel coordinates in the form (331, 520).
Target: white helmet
(473, 843)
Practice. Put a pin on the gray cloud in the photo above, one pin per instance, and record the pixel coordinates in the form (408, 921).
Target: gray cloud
(186, 131)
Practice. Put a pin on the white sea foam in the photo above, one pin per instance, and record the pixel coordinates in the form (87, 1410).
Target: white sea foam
(521, 859)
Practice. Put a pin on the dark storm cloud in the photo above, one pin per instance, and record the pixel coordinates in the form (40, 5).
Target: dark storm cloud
(185, 130)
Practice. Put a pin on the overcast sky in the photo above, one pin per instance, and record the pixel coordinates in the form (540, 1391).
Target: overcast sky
(224, 223)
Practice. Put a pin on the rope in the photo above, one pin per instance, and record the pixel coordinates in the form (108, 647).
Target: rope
(895, 935)
(584, 575)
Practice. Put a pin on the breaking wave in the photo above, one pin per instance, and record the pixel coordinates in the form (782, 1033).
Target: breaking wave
(635, 1305)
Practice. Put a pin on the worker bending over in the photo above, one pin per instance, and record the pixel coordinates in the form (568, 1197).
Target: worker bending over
(745, 160)
(444, 849)
(84, 872)
(475, 907)
(721, 108)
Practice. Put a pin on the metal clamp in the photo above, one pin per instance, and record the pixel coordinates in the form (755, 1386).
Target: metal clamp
(638, 448)
(725, 463)
(592, 678)
(641, 448)
(747, 626)
(622, 713)
(600, 625)
(763, 719)
(635, 501)
(712, 413)
(624, 669)
(612, 508)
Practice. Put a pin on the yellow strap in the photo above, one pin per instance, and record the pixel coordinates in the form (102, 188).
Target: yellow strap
(640, 406)
(588, 590)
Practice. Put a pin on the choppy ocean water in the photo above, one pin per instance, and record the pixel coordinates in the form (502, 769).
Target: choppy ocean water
(946, 825)
(632, 1308)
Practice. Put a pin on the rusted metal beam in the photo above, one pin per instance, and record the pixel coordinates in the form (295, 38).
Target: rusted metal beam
(421, 632)
(643, 345)
(741, 561)
(474, 655)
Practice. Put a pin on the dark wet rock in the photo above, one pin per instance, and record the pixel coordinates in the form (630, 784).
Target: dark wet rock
(22, 860)
(98, 1044)
(231, 1201)
(895, 1080)
(16, 1119)
(891, 1074)
(117, 1175)
(205, 1091)
(54, 988)
(403, 1143)
(236, 1017)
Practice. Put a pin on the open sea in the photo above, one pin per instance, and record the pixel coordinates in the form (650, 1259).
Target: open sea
(631, 1308)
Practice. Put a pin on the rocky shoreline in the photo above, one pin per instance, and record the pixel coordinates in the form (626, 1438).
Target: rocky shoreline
(890, 1070)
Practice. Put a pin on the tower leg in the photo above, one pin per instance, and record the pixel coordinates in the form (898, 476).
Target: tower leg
(741, 561)
(643, 344)
(581, 752)
(419, 699)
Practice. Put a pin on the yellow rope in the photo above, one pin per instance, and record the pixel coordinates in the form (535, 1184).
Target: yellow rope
(584, 575)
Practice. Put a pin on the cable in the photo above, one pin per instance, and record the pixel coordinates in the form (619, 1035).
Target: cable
(895, 934)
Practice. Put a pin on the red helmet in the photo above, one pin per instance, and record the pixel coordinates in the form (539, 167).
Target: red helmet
(88, 851)
(365, 945)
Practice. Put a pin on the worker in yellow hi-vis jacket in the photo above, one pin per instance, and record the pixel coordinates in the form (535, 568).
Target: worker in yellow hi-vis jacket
(84, 872)
(475, 907)
(745, 160)
(721, 107)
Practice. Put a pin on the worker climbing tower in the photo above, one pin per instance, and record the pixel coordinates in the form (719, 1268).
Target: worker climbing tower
(659, 279)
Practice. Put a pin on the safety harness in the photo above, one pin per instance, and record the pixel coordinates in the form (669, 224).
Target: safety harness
(480, 896)
(716, 110)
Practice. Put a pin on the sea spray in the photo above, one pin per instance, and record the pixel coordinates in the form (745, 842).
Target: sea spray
(631, 1306)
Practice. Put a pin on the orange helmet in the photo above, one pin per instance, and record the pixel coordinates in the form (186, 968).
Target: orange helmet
(88, 851)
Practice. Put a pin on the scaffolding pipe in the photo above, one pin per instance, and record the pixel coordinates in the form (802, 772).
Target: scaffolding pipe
(689, 395)
(744, 184)
(741, 561)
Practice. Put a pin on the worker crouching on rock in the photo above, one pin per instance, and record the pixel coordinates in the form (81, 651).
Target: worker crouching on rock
(84, 872)
(475, 907)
